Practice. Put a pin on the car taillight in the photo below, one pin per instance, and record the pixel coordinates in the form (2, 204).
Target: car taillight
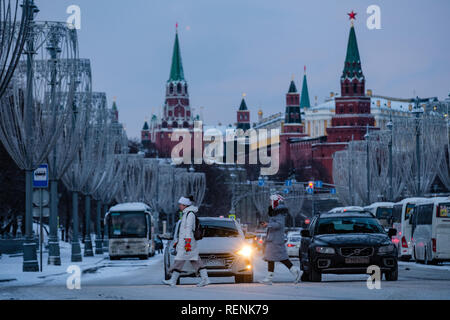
(404, 243)
(290, 245)
(434, 244)
(260, 241)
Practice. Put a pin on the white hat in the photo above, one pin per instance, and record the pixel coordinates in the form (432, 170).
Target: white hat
(185, 201)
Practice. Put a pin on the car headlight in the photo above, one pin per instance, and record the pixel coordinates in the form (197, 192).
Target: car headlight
(386, 249)
(325, 250)
(246, 251)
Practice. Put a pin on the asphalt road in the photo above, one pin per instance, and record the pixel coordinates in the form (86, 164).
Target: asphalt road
(141, 280)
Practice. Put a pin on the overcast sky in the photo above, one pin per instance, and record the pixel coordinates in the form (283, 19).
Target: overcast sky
(255, 46)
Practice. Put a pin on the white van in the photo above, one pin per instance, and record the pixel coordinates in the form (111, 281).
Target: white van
(131, 231)
(383, 212)
(402, 221)
(431, 231)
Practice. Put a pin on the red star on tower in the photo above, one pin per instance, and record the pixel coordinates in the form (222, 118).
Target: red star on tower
(352, 15)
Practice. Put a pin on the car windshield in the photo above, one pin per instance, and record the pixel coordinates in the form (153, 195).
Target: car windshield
(218, 228)
(128, 225)
(344, 225)
(384, 213)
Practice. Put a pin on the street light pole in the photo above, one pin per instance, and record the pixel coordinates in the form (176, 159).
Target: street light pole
(390, 126)
(30, 263)
(417, 112)
(367, 136)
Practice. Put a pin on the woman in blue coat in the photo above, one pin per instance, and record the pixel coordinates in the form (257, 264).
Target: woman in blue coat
(275, 246)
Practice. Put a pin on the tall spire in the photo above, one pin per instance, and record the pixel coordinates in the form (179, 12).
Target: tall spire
(305, 102)
(352, 66)
(292, 87)
(176, 73)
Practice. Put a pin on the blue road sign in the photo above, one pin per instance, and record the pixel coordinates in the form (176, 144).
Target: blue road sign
(288, 183)
(310, 191)
(261, 182)
(40, 177)
(318, 184)
(333, 191)
(286, 191)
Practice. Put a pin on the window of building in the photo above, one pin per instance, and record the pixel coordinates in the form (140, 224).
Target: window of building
(179, 88)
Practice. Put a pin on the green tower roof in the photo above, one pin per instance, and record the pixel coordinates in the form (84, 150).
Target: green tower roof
(114, 106)
(305, 102)
(352, 61)
(146, 127)
(176, 72)
(292, 88)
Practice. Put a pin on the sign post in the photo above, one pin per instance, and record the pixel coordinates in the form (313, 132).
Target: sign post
(40, 181)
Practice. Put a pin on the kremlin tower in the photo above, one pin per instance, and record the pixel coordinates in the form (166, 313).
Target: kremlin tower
(177, 113)
(353, 115)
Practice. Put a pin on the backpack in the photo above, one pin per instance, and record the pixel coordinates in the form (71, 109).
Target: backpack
(198, 233)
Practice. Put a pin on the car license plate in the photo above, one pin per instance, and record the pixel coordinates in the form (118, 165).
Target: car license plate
(357, 260)
(215, 263)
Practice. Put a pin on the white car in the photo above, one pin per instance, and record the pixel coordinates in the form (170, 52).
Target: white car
(293, 244)
(223, 250)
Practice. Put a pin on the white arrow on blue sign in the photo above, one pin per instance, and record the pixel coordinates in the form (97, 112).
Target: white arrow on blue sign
(318, 184)
(333, 191)
(40, 177)
(288, 183)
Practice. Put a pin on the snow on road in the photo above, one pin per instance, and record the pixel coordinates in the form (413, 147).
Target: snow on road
(141, 280)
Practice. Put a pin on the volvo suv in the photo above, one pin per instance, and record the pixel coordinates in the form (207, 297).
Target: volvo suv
(347, 243)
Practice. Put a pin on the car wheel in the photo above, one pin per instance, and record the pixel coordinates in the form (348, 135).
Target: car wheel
(315, 276)
(392, 275)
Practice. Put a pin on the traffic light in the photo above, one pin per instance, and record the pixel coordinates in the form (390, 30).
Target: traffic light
(311, 185)
(307, 221)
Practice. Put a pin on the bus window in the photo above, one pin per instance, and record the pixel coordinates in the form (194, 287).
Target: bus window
(409, 210)
(397, 214)
(126, 225)
(443, 210)
(425, 215)
(384, 213)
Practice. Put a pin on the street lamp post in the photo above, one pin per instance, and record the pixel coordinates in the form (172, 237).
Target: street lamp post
(30, 263)
(390, 126)
(367, 137)
(417, 112)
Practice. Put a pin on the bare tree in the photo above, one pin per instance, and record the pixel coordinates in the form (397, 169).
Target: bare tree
(15, 20)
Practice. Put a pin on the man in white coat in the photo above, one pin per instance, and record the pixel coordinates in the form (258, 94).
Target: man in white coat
(186, 245)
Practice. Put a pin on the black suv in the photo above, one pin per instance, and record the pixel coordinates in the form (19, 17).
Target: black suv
(347, 243)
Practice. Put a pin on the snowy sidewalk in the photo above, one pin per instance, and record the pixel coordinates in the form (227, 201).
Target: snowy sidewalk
(11, 267)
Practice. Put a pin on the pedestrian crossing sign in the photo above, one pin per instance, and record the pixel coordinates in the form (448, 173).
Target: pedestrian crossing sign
(232, 216)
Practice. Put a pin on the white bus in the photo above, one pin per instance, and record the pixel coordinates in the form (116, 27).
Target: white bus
(383, 212)
(131, 231)
(431, 231)
(345, 209)
(402, 221)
